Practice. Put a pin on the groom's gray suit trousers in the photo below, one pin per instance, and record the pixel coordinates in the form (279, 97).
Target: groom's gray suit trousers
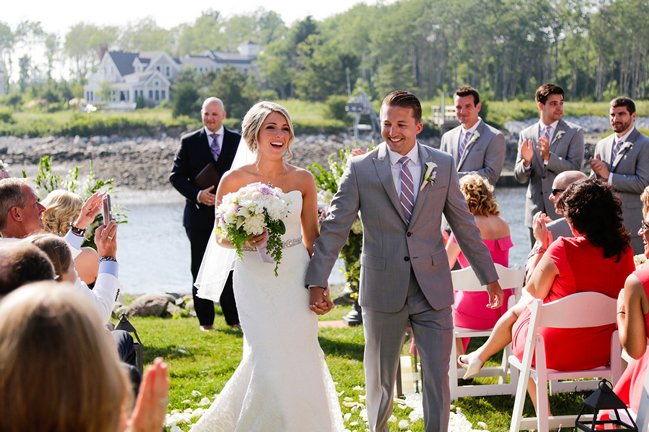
(384, 337)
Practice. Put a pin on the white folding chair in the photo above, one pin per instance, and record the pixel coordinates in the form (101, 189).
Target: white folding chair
(587, 309)
(466, 280)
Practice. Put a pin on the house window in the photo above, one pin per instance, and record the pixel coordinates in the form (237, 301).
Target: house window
(157, 68)
(157, 95)
(167, 71)
(150, 94)
(164, 94)
(122, 96)
(156, 83)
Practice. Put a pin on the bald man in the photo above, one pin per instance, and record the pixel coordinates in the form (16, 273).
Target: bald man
(212, 145)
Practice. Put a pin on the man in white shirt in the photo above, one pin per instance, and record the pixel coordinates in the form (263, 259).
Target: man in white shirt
(474, 145)
(622, 160)
(20, 216)
(546, 149)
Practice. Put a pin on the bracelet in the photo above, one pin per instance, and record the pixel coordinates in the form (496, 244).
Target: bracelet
(108, 258)
(77, 231)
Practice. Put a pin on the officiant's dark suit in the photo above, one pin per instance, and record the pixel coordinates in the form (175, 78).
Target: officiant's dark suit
(193, 155)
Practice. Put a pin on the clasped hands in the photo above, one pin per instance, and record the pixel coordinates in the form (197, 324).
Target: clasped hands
(527, 150)
(320, 303)
(540, 230)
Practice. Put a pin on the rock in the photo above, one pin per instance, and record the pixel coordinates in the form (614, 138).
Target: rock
(96, 140)
(180, 302)
(173, 309)
(189, 305)
(151, 304)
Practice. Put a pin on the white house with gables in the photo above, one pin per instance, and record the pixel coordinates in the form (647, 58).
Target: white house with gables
(149, 74)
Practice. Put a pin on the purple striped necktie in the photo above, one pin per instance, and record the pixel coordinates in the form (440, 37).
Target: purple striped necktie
(462, 148)
(546, 134)
(214, 147)
(407, 191)
(616, 149)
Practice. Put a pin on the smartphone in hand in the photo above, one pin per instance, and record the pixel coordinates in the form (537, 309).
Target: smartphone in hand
(107, 209)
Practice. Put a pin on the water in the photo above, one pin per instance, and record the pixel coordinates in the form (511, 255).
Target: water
(153, 249)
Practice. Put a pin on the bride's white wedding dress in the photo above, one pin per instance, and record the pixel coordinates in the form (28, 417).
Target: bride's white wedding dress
(282, 383)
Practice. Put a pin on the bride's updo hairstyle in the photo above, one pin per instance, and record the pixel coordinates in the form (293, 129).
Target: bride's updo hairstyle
(254, 119)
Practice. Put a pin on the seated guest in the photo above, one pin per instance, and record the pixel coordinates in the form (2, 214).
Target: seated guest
(20, 216)
(633, 322)
(470, 307)
(62, 208)
(52, 336)
(58, 252)
(597, 259)
(21, 264)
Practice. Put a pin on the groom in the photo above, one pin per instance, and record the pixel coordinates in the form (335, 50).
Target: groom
(401, 189)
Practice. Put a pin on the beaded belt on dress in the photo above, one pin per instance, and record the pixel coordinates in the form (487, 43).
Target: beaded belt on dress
(287, 244)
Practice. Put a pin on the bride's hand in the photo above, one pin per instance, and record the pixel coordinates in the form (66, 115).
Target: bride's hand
(320, 303)
(256, 240)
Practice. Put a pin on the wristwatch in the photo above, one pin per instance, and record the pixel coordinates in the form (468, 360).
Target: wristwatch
(77, 231)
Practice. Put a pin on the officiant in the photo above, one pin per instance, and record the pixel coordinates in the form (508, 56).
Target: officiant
(202, 158)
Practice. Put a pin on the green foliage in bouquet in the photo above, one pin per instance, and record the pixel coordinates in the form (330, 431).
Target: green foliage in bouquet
(48, 181)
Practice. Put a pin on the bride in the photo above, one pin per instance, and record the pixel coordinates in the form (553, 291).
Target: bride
(282, 383)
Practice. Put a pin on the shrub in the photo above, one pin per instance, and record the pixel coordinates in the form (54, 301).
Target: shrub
(6, 116)
(268, 95)
(336, 108)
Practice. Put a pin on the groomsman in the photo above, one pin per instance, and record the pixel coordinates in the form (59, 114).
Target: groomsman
(212, 144)
(622, 160)
(546, 149)
(474, 145)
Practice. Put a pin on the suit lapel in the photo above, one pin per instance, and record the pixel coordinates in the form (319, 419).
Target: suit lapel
(456, 138)
(468, 148)
(620, 154)
(423, 158)
(562, 126)
(536, 154)
(384, 171)
(228, 151)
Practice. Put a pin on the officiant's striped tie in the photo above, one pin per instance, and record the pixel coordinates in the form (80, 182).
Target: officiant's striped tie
(407, 195)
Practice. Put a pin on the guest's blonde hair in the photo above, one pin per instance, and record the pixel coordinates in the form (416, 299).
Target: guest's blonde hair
(59, 370)
(254, 119)
(56, 249)
(61, 208)
(478, 193)
(644, 197)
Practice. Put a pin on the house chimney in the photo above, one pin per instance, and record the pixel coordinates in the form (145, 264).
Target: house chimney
(103, 49)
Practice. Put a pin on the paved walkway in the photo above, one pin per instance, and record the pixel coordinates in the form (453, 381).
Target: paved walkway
(333, 324)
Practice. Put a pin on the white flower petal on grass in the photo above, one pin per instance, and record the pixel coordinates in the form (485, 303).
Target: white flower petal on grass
(174, 412)
(358, 388)
(196, 393)
(346, 417)
(404, 424)
(482, 425)
(349, 404)
(188, 411)
(175, 428)
(392, 419)
(182, 351)
(186, 401)
(341, 393)
(361, 398)
(363, 414)
(198, 413)
(204, 401)
(354, 423)
(348, 399)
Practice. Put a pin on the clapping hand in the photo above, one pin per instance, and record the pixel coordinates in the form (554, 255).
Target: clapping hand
(151, 405)
(527, 152)
(538, 228)
(89, 210)
(544, 147)
(320, 303)
(599, 167)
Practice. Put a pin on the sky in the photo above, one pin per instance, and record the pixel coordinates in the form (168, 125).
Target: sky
(59, 16)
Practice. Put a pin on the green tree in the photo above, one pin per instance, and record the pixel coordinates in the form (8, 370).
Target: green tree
(237, 90)
(77, 47)
(23, 80)
(145, 35)
(186, 100)
(204, 34)
(105, 93)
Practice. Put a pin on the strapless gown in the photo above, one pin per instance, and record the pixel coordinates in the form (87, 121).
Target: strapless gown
(282, 383)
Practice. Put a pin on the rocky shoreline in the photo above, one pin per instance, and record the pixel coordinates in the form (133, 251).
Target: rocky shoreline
(144, 163)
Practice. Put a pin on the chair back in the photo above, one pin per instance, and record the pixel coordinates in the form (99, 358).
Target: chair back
(581, 310)
(466, 279)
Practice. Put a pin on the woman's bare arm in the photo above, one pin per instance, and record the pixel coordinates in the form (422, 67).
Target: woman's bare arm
(632, 308)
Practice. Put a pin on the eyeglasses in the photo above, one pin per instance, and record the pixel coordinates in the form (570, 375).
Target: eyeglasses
(645, 226)
(556, 191)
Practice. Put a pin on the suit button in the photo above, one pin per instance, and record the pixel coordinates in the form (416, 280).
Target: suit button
(406, 259)
(409, 234)
(543, 177)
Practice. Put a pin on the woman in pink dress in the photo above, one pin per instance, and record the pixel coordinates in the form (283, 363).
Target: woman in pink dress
(598, 259)
(633, 323)
(470, 307)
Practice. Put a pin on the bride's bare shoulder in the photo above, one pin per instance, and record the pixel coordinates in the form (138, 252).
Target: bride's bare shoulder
(234, 180)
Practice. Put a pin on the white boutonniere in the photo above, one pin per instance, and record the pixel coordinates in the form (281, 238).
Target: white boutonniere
(626, 147)
(473, 139)
(558, 136)
(430, 175)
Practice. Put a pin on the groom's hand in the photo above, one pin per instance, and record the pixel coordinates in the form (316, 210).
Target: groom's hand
(320, 303)
(496, 295)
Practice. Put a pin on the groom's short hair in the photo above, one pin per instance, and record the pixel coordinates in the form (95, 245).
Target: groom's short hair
(469, 91)
(404, 99)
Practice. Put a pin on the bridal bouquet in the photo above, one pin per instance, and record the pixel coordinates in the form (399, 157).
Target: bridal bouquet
(250, 210)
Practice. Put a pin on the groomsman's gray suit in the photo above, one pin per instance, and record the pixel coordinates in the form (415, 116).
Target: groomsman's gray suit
(485, 156)
(630, 177)
(405, 277)
(566, 153)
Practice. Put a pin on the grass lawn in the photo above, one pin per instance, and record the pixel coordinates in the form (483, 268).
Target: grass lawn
(205, 361)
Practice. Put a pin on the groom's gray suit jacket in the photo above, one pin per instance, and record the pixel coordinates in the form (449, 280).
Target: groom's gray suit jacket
(391, 246)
